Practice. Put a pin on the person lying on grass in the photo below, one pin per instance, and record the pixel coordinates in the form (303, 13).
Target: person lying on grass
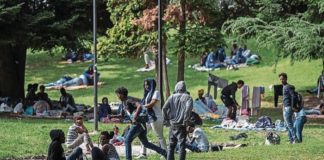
(107, 151)
(55, 149)
(78, 134)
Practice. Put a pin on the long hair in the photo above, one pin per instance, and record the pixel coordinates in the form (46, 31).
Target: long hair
(148, 94)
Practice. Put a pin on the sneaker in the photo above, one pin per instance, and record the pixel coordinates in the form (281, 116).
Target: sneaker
(142, 156)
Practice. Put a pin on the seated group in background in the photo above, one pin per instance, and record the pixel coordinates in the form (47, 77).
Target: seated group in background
(214, 59)
(81, 55)
(87, 78)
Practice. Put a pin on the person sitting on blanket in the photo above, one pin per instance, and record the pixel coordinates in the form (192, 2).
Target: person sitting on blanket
(104, 110)
(67, 101)
(55, 149)
(317, 111)
(212, 61)
(320, 84)
(206, 100)
(107, 151)
(89, 74)
(198, 141)
(31, 97)
(228, 98)
(118, 140)
(42, 95)
(78, 134)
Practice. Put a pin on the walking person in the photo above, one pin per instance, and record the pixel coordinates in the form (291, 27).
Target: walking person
(139, 118)
(176, 113)
(288, 93)
(228, 98)
(152, 102)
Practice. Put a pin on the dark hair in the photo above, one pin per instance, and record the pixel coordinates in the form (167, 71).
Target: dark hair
(41, 87)
(283, 75)
(240, 82)
(104, 99)
(321, 106)
(191, 124)
(115, 127)
(122, 91)
(107, 134)
(62, 89)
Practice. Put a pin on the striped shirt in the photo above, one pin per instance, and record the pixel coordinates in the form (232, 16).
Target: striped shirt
(72, 134)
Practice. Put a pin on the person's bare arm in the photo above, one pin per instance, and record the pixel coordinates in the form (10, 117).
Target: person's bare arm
(151, 104)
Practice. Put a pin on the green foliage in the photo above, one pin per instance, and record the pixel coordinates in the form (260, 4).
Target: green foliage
(295, 36)
(44, 24)
(124, 38)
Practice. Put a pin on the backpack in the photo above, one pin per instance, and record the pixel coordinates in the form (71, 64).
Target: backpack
(263, 122)
(297, 102)
(272, 138)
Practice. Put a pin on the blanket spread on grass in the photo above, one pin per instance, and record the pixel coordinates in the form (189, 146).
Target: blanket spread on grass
(74, 87)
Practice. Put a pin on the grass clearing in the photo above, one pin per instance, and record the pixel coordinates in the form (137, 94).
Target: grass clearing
(22, 138)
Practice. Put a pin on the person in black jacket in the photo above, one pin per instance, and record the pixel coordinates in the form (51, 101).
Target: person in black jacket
(55, 149)
(228, 98)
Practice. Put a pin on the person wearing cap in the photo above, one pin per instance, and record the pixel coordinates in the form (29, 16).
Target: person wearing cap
(78, 134)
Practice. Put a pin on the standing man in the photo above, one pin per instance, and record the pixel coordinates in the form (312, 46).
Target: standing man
(228, 98)
(176, 113)
(288, 94)
(136, 112)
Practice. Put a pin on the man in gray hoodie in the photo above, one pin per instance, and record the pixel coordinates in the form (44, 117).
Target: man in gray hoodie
(176, 113)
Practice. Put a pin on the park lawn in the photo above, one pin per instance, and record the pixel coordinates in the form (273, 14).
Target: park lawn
(22, 138)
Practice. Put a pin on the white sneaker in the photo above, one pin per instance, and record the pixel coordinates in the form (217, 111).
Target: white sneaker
(142, 156)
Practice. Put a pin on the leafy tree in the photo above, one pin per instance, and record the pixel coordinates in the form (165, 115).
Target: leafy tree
(136, 23)
(40, 24)
(299, 33)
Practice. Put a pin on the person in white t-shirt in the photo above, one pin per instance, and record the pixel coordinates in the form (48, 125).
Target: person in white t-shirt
(199, 141)
(151, 101)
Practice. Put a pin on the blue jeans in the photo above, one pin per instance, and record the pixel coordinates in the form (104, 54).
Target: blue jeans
(288, 115)
(73, 82)
(139, 130)
(193, 147)
(76, 154)
(58, 82)
(299, 125)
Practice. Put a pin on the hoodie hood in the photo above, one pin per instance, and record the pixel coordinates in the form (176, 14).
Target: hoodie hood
(180, 87)
(55, 134)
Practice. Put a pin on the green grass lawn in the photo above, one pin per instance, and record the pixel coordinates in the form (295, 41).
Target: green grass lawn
(22, 138)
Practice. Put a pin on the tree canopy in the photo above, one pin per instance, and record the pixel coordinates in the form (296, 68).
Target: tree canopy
(295, 27)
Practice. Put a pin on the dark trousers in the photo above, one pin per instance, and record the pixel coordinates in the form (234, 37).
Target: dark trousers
(231, 106)
(97, 154)
(277, 92)
(139, 130)
(177, 135)
(76, 154)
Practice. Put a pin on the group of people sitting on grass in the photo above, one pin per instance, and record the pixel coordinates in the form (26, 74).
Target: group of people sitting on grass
(145, 114)
(80, 55)
(238, 55)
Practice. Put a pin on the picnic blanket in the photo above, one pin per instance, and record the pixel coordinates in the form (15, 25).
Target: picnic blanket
(244, 125)
(74, 87)
(200, 68)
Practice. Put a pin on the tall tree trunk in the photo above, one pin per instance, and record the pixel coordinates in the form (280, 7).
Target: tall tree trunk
(182, 42)
(12, 72)
(165, 68)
